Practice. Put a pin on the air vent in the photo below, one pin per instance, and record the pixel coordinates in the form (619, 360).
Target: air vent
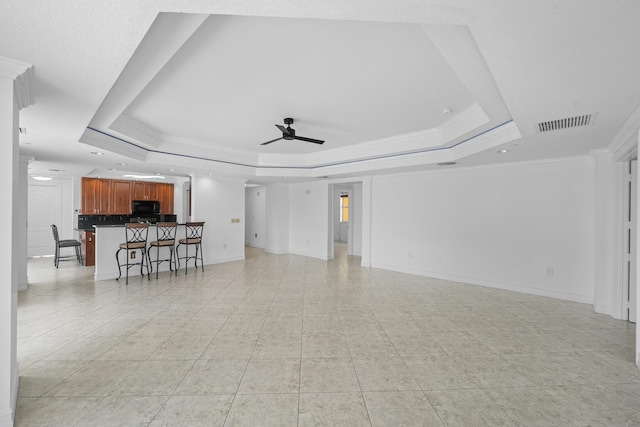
(446, 163)
(571, 122)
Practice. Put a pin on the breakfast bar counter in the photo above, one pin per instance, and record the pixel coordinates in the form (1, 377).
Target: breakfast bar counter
(107, 241)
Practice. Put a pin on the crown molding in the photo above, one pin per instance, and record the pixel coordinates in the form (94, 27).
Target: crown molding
(391, 146)
(490, 139)
(22, 75)
(137, 130)
(625, 142)
(464, 122)
(112, 144)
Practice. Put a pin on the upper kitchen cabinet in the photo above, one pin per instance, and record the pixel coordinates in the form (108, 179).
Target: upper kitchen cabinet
(120, 197)
(114, 196)
(144, 190)
(165, 196)
(96, 196)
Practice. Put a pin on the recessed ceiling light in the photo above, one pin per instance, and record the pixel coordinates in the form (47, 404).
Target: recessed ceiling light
(42, 178)
(121, 164)
(503, 151)
(97, 153)
(446, 110)
(170, 169)
(144, 176)
(56, 170)
(113, 170)
(210, 174)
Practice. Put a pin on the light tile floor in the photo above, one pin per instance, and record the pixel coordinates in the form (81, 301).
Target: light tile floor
(292, 341)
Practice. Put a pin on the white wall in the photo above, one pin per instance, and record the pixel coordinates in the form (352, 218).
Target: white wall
(217, 201)
(255, 223)
(309, 220)
(502, 226)
(9, 265)
(277, 207)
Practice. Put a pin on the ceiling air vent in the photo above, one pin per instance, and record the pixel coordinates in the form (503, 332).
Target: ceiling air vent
(446, 163)
(571, 122)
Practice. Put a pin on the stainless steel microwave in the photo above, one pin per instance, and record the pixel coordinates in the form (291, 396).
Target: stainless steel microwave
(145, 207)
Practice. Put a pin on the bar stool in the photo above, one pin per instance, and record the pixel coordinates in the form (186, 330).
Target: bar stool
(165, 238)
(136, 235)
(193, 237)
(65, 243)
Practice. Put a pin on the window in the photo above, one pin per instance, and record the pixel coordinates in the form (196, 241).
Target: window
(344, 207)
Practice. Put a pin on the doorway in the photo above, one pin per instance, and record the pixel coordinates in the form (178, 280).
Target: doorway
(44, 203)
(345, 228)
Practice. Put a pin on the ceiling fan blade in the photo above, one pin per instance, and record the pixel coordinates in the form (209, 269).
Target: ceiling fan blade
(302, 138)
(269, 142)
(284, 130)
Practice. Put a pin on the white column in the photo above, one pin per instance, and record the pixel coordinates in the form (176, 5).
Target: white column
(367, 184)
(23, 197)
(15, 92)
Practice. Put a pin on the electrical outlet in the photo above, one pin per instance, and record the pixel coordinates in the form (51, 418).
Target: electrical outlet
(256, 235)
(550, 271)
(133, 255)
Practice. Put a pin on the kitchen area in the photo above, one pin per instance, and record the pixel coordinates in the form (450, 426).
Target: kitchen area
(108, 204)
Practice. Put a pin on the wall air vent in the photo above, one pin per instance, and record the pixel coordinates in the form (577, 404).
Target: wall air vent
(570, 122)
(446, 163)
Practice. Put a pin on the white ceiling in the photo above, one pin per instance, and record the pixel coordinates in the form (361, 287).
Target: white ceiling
(196, 87)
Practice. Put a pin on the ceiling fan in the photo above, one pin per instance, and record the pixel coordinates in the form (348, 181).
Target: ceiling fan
(288, 133)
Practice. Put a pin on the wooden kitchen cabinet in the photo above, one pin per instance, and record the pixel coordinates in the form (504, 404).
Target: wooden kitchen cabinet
(165, 196)
(113, 196)
(145, 190)
(88, 241)
(120, 197)
(96, 196)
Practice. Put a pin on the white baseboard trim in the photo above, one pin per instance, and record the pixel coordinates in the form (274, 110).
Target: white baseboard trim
(567, 296)
(603, 309)
(324, 257)
(7, 415)
(224, 259)
(6, 418)
(23, 285)
(275, 251)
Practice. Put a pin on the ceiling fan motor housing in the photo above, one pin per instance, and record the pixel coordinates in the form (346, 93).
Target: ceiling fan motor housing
(291, 135)
(292, 132)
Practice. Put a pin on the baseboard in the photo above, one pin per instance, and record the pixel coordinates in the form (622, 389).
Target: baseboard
(23, 285)
(224, 259)
(602, 309)
(7, 416)
(310, 255)
(567, 296)
(275, 252)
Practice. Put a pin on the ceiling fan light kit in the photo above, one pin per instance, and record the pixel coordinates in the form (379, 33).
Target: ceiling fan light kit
(288, 133)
